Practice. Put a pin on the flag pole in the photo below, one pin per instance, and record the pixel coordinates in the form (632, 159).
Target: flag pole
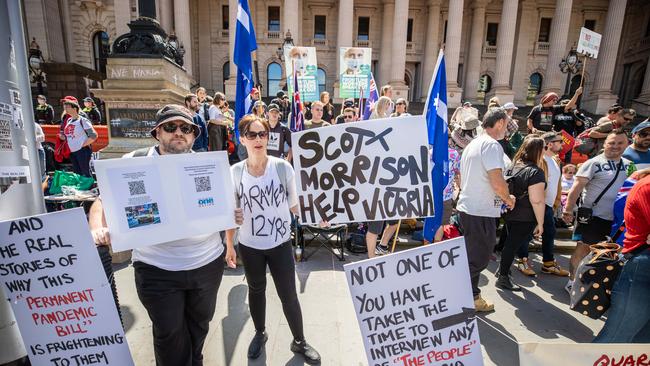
(399, 224)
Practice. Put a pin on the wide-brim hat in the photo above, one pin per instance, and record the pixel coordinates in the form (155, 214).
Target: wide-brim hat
(70, 100)
(174, 112)
(469, 122)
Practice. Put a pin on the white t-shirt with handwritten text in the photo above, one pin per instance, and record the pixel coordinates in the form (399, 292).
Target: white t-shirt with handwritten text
(265, 203)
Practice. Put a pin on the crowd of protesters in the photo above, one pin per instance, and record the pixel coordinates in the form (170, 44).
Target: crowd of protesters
(531, 190)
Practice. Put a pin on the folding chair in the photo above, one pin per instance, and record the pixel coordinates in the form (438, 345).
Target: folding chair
(323, 237)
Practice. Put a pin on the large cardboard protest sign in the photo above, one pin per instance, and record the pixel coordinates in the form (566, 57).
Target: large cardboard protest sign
(157, 199)
(304, 60)
(52, 276)
(589, 43)
(583, 354)
(415, 307)
(372, 170)
(354, 63)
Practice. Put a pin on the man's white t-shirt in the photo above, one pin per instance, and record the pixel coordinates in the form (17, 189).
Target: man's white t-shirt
(477, 198)
(75, 132)
(180, 255)
(552, 181)
(265, 203)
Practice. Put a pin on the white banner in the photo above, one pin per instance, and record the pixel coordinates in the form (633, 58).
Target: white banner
(355, 65)
(364, 171)
(152, 200)
(54, 280)
(583, 354)
(416, 307)
(589, 43)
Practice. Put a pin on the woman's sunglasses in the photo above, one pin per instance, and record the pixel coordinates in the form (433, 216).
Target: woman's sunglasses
(171, 127)
(253, 135)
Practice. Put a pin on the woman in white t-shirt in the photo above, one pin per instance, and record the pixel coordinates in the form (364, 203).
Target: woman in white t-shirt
(266, 192)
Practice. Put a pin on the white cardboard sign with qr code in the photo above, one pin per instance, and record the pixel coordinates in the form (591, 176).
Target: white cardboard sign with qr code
(153, 200)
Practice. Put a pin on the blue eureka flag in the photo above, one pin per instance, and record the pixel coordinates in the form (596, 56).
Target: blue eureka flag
(436, 115)
(244, 44)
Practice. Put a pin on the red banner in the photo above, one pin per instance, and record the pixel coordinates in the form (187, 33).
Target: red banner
(568, 142)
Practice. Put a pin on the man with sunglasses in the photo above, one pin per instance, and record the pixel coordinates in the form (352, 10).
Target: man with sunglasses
(348, 104)
(176, 281)
(639, 152)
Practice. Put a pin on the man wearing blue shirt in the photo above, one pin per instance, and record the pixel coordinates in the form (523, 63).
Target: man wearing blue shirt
(638, 152)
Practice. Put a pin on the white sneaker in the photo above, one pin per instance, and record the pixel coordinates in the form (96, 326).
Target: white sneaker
(380, 250)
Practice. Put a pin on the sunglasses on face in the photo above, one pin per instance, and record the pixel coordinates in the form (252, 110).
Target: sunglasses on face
(628, 119)
(172, 127)
(400, 103)
(643, 134)
(348, 117)
(251, 135)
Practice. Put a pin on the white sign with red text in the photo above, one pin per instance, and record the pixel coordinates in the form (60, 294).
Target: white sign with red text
(583, 354)
(54, 280)
(589, 43)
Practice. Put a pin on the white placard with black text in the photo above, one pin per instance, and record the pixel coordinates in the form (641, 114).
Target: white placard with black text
(589, 43)
(364, 171)
(415, 307)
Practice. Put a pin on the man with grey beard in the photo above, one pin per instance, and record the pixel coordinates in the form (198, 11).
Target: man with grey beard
(176, 281)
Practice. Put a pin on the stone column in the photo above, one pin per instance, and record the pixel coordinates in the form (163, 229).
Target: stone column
(204, 52)
(642, 103)
(601, 96)
(398, 59)
(432, 45)
(166, 12)
(344, 37)
(505, 46)
(557, 48)
(452, 51)
(290, 21)
(122, 10)
(525, 32)
(475, 50)
(386, 43)
(183, 31)
(345, 28)
(231, 83)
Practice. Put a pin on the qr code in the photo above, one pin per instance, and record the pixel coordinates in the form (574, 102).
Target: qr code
(202, 184)
(136, 188)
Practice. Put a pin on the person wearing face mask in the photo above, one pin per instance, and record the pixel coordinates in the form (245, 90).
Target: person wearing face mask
(299, 57)
(44, 113)
(352, 59)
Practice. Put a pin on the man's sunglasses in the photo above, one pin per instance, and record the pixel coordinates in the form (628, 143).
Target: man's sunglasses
(628, 119)
(171, 127)
(643, 134)
(400, 103)
(348, 116)
(253, 135)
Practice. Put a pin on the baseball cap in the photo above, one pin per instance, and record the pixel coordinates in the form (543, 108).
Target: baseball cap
(348, 103)
(70, 100)
(467, 103)
(41, 96)
(641, 126)
(89, 99)
(548, 96)
(253, 91)
(510, 105)
(280, 94)
(273, 106)
(174, 112)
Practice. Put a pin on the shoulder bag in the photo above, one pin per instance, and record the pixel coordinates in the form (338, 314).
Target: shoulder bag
(586, 213)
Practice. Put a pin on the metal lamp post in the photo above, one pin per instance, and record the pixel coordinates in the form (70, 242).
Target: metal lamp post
(570, 65)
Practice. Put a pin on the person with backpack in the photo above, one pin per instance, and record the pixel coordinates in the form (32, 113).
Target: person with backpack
(177, 281)
(265, 235)
(597, 181)
(527, 182)
(79, 134)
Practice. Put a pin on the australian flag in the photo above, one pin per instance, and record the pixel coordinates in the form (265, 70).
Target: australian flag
(245, 43)
(436, 115)
(297, 118)
(373, 96)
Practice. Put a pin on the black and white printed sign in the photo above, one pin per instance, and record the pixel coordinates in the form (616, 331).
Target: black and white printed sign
(152, 200)
(373, 170)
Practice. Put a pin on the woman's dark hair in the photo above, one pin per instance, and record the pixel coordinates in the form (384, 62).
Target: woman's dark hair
(246, 122)
(531, 151)
(493, 115)
(614, 109)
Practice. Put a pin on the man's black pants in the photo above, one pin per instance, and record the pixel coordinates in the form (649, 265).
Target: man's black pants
(480, 238)
(180, 305)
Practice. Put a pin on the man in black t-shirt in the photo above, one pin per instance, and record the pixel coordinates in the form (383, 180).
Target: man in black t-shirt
(541, 116)
(278, 135)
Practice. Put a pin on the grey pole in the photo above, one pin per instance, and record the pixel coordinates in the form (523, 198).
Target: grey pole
(19, 195)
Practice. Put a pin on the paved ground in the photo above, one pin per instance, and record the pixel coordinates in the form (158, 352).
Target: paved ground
(538, 314)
